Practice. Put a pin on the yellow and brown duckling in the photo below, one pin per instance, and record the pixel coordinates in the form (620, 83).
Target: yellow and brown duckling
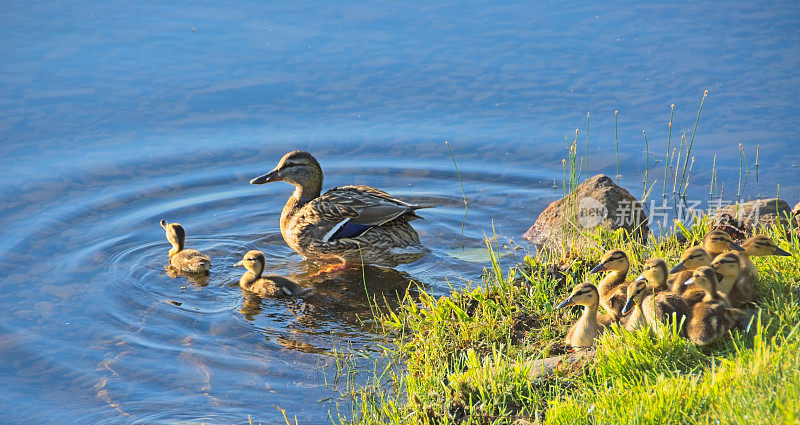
(654, 304)
(613, 287)
(726, 269)
(181, 259)
(712, 317)
(756, 246)
(717, 241)
(265, 287)
(583, 332)
(350, 224)
(691, 259)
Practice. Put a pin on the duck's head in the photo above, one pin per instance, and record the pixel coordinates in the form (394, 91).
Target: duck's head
(760, 245)
(691, 259)
(719, 241)
(175, 235)
(253, 261)
(726, 266)
(655, 272)
(615, 260)
(635, 294)
(584, 294)
(299, 168)
(705, 278)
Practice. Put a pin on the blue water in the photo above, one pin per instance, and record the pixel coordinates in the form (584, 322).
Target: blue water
(116, 116)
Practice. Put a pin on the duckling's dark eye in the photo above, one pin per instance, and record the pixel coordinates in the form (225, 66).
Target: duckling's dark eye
(647, 268)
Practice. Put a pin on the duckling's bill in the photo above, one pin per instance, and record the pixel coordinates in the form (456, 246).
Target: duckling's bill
(678, 267)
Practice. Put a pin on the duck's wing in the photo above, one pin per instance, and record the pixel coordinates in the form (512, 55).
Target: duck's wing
(352, 210)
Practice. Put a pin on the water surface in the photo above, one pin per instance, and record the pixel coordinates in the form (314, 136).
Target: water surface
(116, 116)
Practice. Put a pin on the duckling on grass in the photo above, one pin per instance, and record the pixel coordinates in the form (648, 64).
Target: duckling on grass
(181, 259)
(757, 246)
(692, 258)
(613, 287)
(583, 332)
(654, 305)
(712, 317)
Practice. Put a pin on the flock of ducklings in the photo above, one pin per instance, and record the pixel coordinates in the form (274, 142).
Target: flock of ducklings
(345, 225)
(705, 291)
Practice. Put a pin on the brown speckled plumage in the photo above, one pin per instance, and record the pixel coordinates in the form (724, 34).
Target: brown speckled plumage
(310, 221)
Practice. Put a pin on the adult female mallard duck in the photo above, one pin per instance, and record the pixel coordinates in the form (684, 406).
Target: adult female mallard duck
(358, 224)
(265, 287)
(613, 287)
(756, 246)
(184, 260)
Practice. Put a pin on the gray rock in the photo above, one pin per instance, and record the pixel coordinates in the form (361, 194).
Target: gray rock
(753, 214)
(597, 201)
(796, 212)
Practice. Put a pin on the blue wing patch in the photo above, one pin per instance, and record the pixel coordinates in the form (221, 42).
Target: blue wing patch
(349, 230)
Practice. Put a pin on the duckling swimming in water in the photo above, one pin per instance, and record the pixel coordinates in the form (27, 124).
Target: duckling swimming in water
(613, 287)
(583, 332)
(184, 260)
(355, 224)
(756, 246)
(265, 287)
(712, 317)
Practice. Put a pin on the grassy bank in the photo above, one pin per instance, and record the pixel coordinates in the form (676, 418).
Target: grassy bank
(465, 358)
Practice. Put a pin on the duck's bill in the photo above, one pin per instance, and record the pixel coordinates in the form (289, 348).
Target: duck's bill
(272, 176)
(689, 282)
(678, 267)
(640, 278)
(566, 303)
(736, 247)
(782, 252)
(239, 264)
(628, 306)
(598, 268)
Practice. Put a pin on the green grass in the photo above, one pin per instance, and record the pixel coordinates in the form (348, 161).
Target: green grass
(464, 358)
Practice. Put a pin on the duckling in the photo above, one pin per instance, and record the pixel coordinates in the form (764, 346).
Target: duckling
(613, 287)
(692, 258)
(655, 305)
(184, 260)
(583, 332)
(356, 224)
(717, 241)
(756, 246)
(265, 287)
(712, 317)
(726, 268)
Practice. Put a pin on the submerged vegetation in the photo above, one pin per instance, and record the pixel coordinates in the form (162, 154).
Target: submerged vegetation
(467, 357)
